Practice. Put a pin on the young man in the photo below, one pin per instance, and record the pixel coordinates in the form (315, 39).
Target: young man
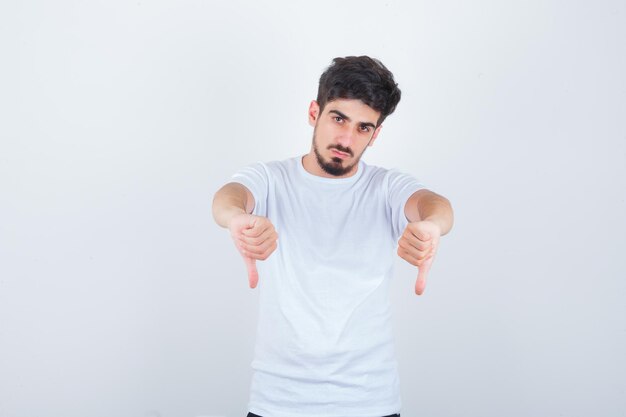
(324, 341)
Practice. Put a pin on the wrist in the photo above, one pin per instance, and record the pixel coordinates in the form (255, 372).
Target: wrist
(233, 214)
(437, 222)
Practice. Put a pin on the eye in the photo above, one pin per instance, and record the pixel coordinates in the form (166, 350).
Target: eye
(365, 128)
(338, 119)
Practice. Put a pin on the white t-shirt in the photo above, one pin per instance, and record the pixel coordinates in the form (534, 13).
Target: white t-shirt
(324, 343)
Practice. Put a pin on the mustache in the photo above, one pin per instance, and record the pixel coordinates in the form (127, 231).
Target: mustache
(341, 149)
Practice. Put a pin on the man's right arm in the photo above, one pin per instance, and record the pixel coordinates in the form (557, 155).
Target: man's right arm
(254, 236)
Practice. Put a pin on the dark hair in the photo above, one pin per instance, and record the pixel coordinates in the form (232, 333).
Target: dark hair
(363, 78)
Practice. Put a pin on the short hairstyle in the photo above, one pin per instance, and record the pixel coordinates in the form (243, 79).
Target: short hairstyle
(363, 78)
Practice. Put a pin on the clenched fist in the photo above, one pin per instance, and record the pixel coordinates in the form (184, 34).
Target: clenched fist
(255, 238)
(418, 245)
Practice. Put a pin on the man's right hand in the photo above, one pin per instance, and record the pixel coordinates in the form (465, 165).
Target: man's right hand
(255, 238)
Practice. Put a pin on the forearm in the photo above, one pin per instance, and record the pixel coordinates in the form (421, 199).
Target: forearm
(229, 201)
(437, 209)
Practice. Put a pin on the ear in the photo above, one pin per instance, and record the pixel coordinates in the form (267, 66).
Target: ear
(375, 135)
(314, 113)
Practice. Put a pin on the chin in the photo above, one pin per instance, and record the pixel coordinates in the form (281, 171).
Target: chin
(337, 167)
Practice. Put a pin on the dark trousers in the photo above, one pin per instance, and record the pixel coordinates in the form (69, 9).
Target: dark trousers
(256, 415)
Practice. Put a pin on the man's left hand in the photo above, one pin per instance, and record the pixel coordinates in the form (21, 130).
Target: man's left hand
(418, 246)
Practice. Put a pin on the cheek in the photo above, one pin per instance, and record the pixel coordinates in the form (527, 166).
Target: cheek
(360, 149)
(325, 134)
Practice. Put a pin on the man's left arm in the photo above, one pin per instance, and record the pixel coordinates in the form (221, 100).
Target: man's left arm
(430, 216)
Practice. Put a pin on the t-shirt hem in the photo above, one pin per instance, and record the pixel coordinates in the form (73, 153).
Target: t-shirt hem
(379, 412)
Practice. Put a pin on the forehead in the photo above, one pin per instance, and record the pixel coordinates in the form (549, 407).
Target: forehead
(353, 108)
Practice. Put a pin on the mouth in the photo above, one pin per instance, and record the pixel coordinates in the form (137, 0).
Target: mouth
(339, 154)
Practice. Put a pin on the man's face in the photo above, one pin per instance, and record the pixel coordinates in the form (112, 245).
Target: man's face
(342, 132)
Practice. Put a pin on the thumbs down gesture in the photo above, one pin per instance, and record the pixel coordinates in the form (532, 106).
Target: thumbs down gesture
(418, 246)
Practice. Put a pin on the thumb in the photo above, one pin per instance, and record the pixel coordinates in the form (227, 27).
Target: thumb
(253, 274)
(420, 284)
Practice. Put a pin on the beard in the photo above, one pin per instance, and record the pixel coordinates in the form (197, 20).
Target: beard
(335, 166)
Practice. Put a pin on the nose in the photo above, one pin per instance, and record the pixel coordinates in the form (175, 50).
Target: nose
(346, 138)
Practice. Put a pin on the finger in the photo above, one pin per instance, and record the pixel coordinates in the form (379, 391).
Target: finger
(257, 228)
(420, 231)
(258, 249)
(406, 245)
(417, 253)
(257, 241)
(420, 283)
(421, 235)
(263, 256)
(407, 256)
(414, 241)
(253, 274)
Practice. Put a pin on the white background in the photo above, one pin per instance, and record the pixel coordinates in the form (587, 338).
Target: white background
(119, 296)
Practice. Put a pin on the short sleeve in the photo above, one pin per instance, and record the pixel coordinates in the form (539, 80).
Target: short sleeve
(255, 178)
(399, 188)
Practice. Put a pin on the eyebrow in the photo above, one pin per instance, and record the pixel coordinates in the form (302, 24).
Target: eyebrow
(343, 116)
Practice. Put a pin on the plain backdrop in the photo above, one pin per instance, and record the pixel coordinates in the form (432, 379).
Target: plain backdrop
(119, 295)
